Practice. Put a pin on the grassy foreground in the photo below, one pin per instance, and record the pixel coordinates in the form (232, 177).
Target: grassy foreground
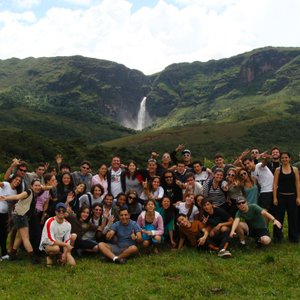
(251, 273)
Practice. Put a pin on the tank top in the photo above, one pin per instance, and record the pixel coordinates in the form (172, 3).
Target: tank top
(286, 182)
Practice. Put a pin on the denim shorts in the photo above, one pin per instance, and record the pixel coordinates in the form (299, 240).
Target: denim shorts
(20, 221)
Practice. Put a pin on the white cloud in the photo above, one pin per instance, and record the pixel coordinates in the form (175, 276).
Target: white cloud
(27, 4)
(152, 38)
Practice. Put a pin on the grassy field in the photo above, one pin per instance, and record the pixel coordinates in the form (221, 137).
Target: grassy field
(270, 273)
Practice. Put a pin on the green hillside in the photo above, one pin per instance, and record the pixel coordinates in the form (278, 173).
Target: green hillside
(77, 105)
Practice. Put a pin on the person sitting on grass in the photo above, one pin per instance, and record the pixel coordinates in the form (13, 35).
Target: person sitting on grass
(218, 223)
(195, 232)
(128, 233)
(152, 225)
(80, 223)
(57, 238)
(255, 223)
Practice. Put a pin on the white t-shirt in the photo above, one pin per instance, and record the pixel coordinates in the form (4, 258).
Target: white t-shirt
(264, 178)
(184, 210)
(54, 231)
(116, 185)
(158, 194)
(5, 191)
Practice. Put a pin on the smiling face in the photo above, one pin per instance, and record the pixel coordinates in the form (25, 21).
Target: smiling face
(36, 186)
(219, 161)
(102, 170)
(131, 167)
(121, 201)
(116, 163)
(108, 200)
(183, 222)
(285, 159)
(150, 206)
(155, 183)
(16, 182)
(97, 192)
(66, 179)
(218, 176)
(84, 214)
(124, 216)
(80, 188)
(189, 199)
(165, 203)
(250, 165)
(208, 207)
(84, 169)
(97, 211)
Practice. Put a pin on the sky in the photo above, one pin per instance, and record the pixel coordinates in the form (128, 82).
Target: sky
(147, 35)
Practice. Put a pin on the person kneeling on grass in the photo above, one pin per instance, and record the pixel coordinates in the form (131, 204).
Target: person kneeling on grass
(255, 223)
(128, 233)
(56, 237)
(218, 223)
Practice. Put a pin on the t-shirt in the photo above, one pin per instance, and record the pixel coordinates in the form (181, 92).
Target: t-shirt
(6, 190)
(123, 233)
(219, 216)
(116, 185)
(41, 200)
(192, 232)
(264, 178)
(253, 217)
(184, 210)
(54, 231)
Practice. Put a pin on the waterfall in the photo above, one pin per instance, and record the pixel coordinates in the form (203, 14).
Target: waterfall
(141, 117)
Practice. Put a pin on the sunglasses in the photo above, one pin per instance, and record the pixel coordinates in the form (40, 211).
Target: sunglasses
(132, 198)
(254, 152)
(61, 210)
(241, 202)
(186, 154)
(85, 168)
(23, 170)
(231, 175)
(243, 173)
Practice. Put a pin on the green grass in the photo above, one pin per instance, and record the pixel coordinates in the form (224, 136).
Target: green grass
(269, 273)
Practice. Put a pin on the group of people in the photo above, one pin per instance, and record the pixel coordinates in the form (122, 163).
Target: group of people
(121, 209)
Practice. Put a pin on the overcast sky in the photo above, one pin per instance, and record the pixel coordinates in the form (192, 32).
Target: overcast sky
(147, 35)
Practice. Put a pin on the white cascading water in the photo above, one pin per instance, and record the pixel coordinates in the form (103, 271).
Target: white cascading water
(141, 117)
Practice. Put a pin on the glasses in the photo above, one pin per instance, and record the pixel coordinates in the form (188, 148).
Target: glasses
(243, 174)
(61, 210)
(132, 198)
(23, 170)
(241, 202)
(186, 154)
(254, 152)
(85, 168)
(231, 175)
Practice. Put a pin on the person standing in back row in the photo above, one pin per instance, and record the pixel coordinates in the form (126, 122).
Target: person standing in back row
(286, 197)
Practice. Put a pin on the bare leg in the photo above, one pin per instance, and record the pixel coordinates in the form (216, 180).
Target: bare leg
(106, 250)
(128, 252)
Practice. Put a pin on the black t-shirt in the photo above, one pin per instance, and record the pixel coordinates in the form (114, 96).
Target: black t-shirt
(219, 216)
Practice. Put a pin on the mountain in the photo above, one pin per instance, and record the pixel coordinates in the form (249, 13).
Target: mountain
(60, 104)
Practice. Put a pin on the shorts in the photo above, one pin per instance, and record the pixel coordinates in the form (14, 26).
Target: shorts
(85, 244)
(117, 250)
(20, 221)
(145, 237)
(265, 200)
(258, 232)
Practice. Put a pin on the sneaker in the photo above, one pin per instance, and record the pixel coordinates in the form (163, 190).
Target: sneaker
(5, 257)
(224, 253)
(116, 261)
